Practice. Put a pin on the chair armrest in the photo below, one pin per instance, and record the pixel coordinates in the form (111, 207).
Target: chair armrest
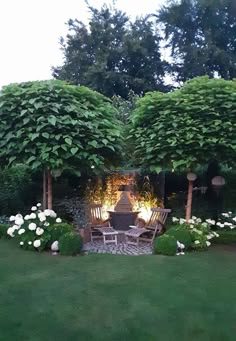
(133, 226)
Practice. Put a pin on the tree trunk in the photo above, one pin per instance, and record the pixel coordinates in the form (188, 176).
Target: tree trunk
(189, 201)
(162, 182)
(49, 190)
(44, 190)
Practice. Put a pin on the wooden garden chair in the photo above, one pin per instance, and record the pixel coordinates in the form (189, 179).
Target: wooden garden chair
(149, 232)
(99, 228)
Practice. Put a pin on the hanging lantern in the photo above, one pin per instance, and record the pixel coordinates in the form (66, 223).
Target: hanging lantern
(191, 176)
(218, 181)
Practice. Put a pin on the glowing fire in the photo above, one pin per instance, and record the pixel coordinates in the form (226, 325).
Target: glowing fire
(109, 197)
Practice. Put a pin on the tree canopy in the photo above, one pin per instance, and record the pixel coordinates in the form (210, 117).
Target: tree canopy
(201, 35)
(187, 127)
(112, 54)
(53, 125)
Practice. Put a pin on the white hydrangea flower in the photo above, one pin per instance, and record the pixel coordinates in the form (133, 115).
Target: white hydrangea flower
(37, 243)
(39, 205)
(210, 221)
(30, 243)
(41, 214)
(225, 215)
(174, 219)
(16, 227)
(53, 214)
(194, 218)
(11, 231)
(58, 220)
(182, 221)
(21, 231)
(39, 231)
(196, 242)
(46, 223)
(27, 217)
(208, 243)
(12, 218)
(199, 220)
(230, 212)
(232, 227)
(19, 221)
(33, 208)
(50, 213)
(47, 212)
(191, 226)
(32, 226)
(204, 224)
(228, 224)
(21, 243)
(33, 216)
(191, 221)
(19, 216)
(234, 219)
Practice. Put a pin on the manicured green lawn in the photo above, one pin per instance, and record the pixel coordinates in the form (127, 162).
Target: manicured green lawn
(106, 297)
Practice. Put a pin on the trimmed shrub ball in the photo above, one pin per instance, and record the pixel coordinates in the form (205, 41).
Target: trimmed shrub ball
(182, 235)
(56, 231)
(165, 245)
(3, 230)
(70, 244)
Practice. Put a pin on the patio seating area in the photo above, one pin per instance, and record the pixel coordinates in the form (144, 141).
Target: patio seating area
(119, 248)
(135, 240)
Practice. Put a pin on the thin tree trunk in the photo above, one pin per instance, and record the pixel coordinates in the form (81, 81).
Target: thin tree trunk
(44, 190)
(162, 176)
(49, 190)
(189, 201)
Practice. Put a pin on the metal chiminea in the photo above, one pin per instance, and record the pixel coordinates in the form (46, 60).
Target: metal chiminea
(123, 216)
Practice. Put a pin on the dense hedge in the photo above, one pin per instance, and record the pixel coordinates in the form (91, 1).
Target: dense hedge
(225, 237)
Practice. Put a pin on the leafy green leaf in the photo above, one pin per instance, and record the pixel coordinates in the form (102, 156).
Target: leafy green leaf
(52, 119)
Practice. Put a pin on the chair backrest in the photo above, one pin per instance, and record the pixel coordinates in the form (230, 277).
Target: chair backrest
(95, 214)
(158, 219)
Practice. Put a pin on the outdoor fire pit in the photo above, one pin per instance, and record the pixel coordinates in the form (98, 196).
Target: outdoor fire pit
(123, 216)
(122, 220)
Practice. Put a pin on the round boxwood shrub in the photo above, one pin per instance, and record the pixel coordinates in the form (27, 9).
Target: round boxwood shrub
(3, 230)
(165, 245)
(182, 235)
(56, 231)
(70, 244)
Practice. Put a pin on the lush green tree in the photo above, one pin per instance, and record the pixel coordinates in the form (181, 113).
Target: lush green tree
(188, 127)
(112, 55)
(201, 35)
(53, 126)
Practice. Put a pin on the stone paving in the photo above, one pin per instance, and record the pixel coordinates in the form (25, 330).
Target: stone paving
(120, 249)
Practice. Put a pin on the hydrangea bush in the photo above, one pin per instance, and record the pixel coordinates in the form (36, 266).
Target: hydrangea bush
(33, 230)
(199, 231)
(227, 221)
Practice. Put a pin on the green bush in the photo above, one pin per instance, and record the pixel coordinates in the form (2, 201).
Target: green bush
(70, 244)
(182, 235)
(15, 189)
(225, 237)
(165, 245)
(3, 230)
(56, 231)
